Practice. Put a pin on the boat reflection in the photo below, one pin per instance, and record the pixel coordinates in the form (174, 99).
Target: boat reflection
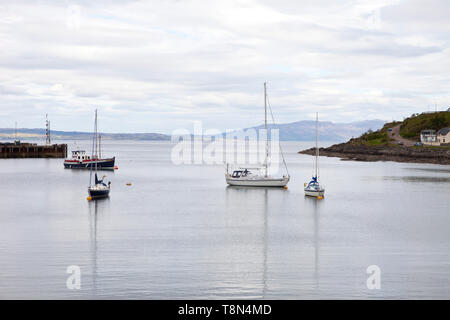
(255, 201)
(314, 209)
(95, 208)
(265, 235)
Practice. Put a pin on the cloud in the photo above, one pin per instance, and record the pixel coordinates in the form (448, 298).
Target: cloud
(159, 65)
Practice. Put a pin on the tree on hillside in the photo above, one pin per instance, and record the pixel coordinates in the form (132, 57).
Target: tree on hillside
(438, 122)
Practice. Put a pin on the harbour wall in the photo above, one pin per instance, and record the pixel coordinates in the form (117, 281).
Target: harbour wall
(32, 150)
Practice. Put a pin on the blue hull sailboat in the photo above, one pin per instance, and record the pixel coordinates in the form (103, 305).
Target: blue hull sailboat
(99, 189)
(313, 188)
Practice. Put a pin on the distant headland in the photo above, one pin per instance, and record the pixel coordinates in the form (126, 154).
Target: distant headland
(39, 134)
(421, 138)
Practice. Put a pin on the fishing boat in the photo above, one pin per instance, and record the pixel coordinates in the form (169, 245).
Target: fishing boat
(258, 176)
(81, 160)
(99, 189)
(313, 188)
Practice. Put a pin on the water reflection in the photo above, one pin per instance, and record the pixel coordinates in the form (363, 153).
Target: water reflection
(95, 207)
(314, 206)
(264, 241)
(437, 170)
(418, 179)
(254, 198)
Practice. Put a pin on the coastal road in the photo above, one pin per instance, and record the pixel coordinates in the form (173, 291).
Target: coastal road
(395, 134)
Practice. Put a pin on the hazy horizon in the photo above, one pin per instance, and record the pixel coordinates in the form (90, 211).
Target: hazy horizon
(190, 126)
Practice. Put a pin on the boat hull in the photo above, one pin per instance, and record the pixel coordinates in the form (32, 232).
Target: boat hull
(102, 164)
(257, 182)
(311, 193)
(96, 194)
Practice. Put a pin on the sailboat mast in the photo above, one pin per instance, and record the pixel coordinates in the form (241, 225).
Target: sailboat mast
(317, 146)
(96, 142)
(93, 148)
(96, 136)
(265, 127)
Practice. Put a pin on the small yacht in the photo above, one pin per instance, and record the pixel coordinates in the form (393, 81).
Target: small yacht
(254, 177)
(259, 176)
(313, 188)
(99, 189)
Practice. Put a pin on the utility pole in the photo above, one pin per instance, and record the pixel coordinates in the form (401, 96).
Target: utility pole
(47, 130)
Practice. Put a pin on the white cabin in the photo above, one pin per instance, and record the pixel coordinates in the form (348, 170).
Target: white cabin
(80, 155)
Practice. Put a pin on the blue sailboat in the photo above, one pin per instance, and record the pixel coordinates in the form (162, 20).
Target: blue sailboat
(313, 188)
(99, 189)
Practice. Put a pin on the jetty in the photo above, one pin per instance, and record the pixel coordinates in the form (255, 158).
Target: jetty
(18, 149)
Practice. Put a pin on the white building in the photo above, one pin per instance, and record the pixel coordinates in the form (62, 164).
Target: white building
(429, 137)
(443, 135)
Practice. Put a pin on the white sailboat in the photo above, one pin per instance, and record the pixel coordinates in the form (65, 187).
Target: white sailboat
(258, 176)
(313, 188)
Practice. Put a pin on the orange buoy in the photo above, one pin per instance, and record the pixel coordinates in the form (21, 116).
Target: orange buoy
(285, 187)
(116, 167)
(320, 197)
(89, 198)
(129, 184)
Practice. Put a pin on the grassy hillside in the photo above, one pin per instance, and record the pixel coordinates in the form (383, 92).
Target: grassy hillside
(412, 126)
(376, 138)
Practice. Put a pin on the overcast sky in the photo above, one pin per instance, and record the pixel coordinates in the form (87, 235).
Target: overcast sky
(154, 66)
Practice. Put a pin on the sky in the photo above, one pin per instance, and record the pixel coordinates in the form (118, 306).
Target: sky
(157, 66)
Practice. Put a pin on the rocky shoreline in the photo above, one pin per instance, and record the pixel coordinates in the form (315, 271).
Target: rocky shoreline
(360, 152)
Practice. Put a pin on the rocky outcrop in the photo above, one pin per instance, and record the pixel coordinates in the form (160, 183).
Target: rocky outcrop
(360, 152)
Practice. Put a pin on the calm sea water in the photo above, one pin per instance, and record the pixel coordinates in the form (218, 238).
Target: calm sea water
(179, 232)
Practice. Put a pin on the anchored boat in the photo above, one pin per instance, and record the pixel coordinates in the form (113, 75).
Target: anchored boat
(258, 177)
(313, 188)
(254, 178)
(99, 189)
(81, 160)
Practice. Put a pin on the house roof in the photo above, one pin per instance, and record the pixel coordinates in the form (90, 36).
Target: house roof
(429, 131)
(444, 131)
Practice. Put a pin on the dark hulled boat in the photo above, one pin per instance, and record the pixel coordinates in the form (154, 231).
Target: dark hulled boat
(80, 160)
(99, 189)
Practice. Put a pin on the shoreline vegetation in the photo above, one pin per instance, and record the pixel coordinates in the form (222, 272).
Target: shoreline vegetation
(394, 142)
(348, 151)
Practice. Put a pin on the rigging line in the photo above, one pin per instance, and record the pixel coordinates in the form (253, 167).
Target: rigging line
(281, 149)
(317, 145)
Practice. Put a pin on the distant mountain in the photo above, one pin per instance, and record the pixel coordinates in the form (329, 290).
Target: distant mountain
(294, 131)
(331, 131)
(39, 134)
